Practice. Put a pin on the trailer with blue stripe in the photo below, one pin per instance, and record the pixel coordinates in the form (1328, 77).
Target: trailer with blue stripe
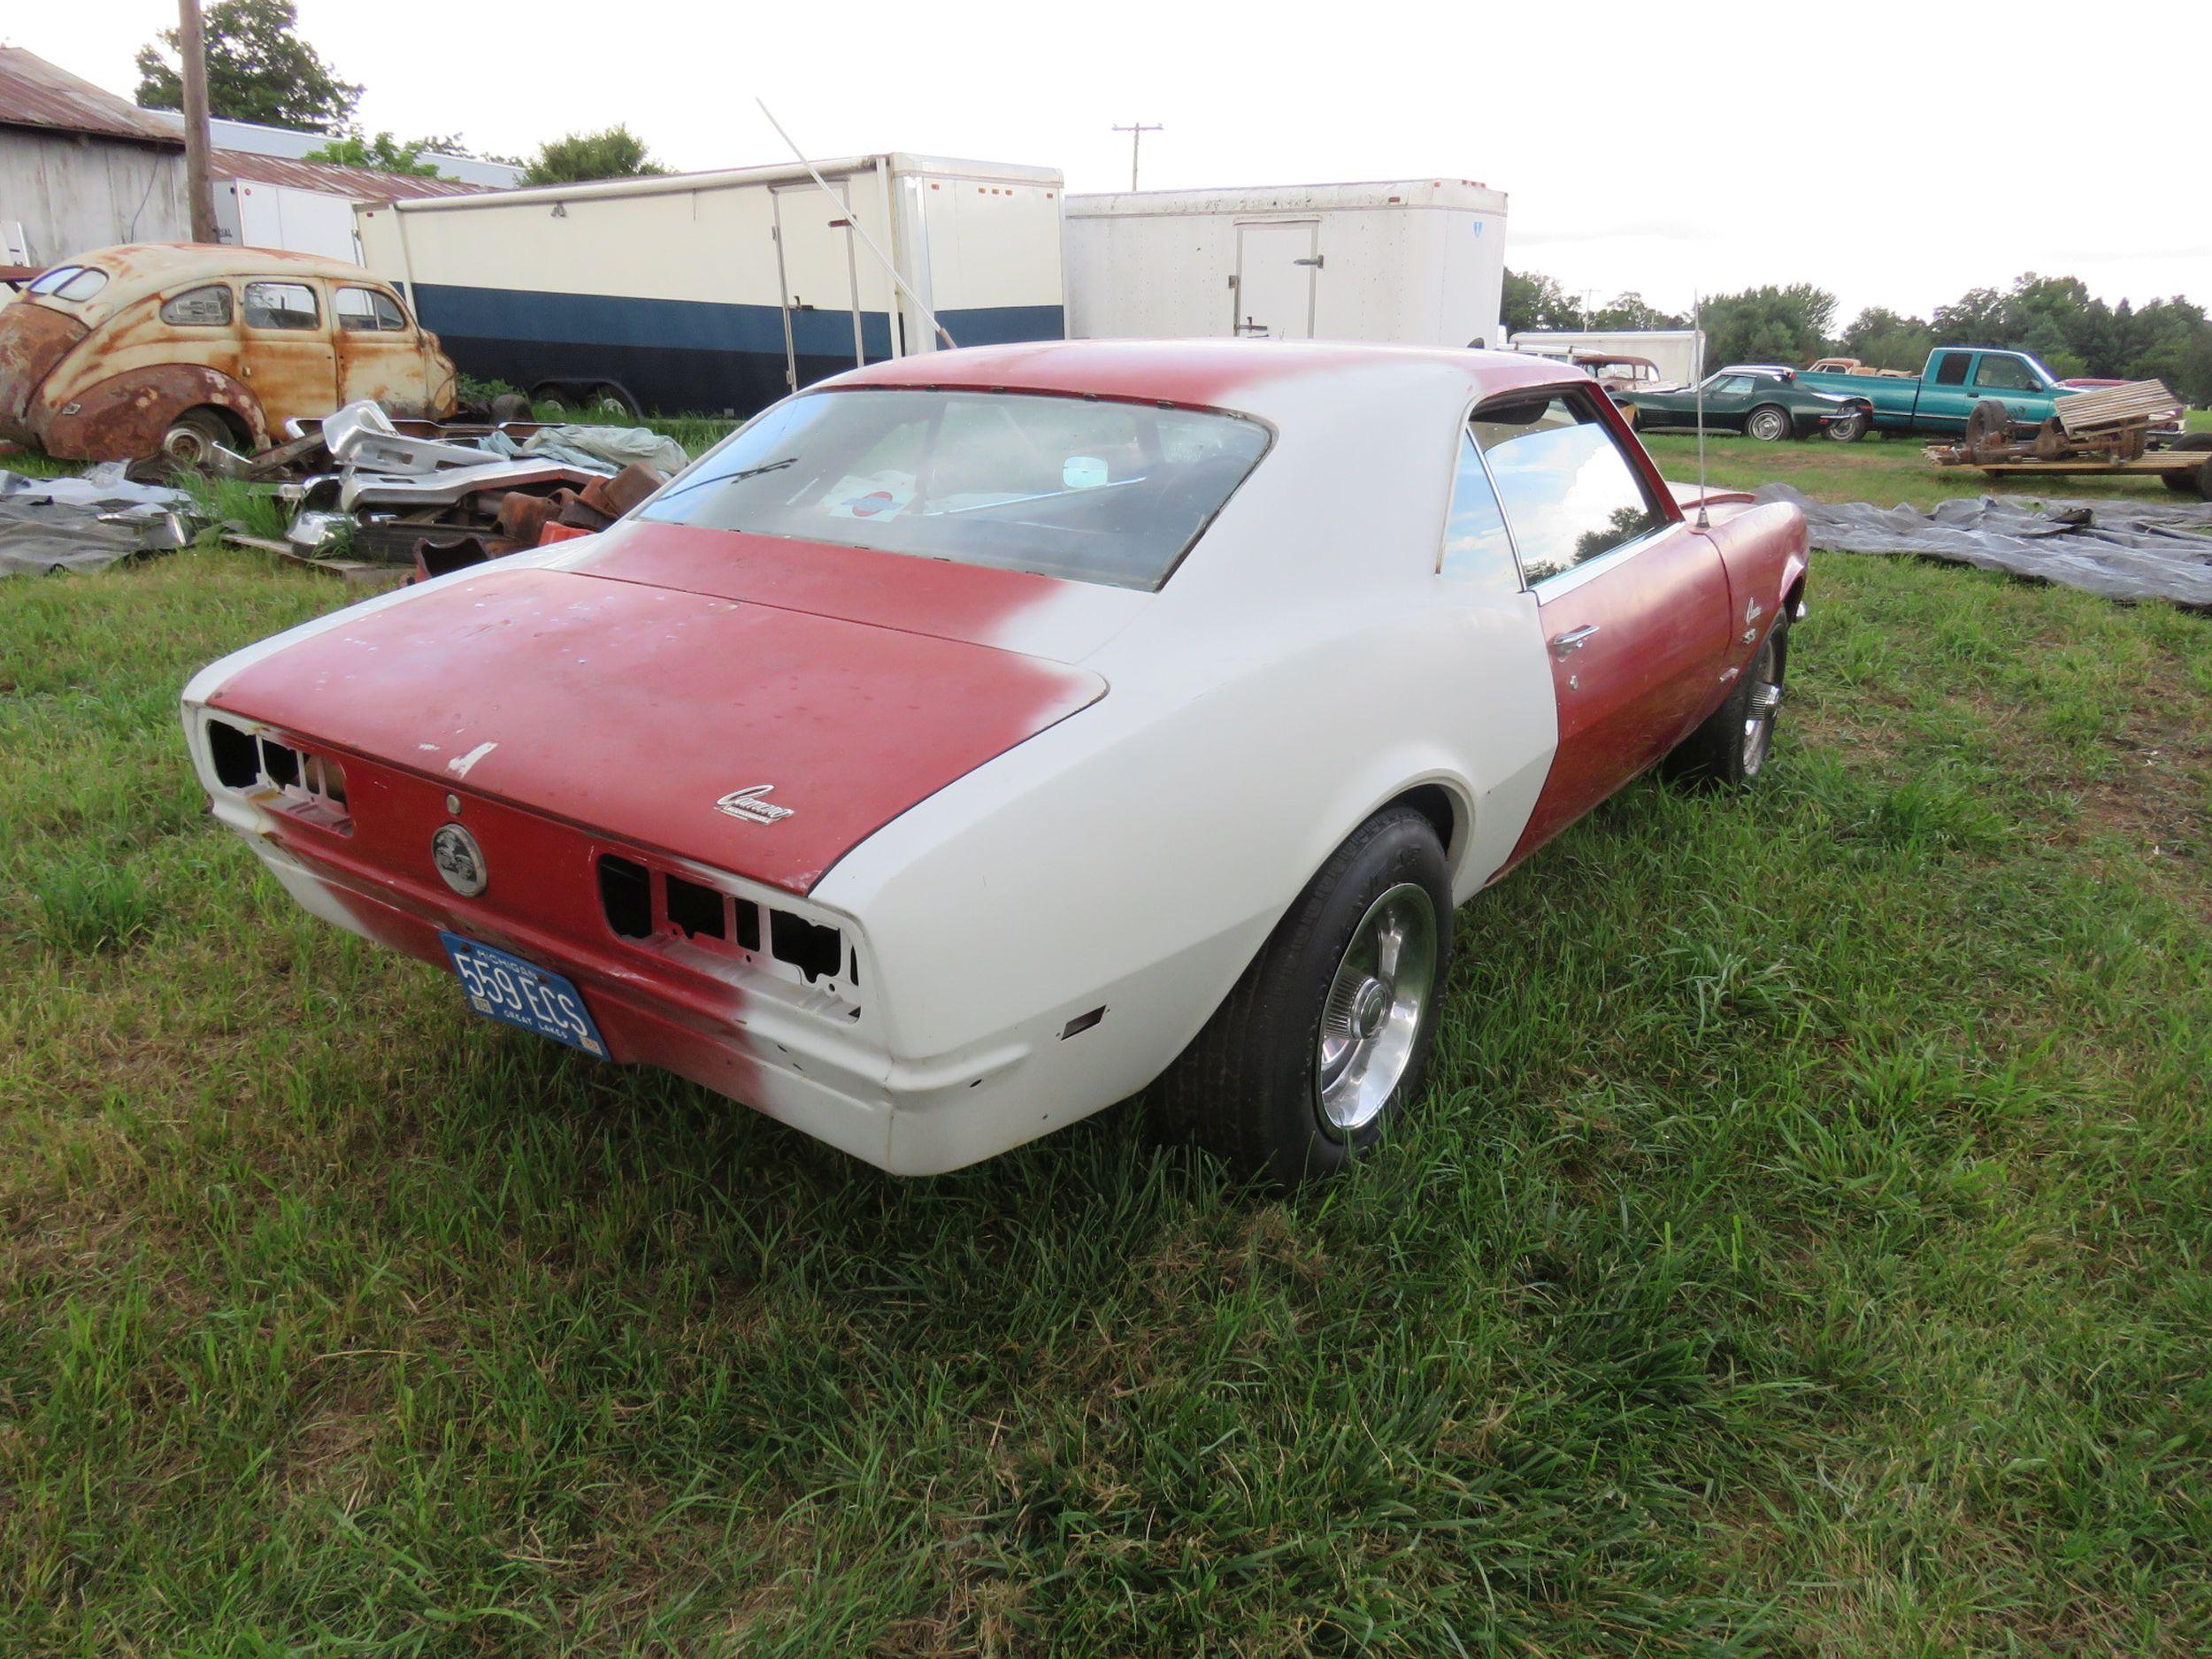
(717, 293)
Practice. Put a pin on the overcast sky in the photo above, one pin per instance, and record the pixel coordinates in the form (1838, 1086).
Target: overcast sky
(1896, 154)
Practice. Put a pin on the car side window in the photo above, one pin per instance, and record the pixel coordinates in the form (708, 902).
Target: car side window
(2005, 374)
(205, 307)
(1476, 549)
(366, 310)
(1570, 493)
(281, 305)
(1952, 370)
(1730, 383)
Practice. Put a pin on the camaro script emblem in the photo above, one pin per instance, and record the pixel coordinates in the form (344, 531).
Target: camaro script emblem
(460, 860)
(749, 804)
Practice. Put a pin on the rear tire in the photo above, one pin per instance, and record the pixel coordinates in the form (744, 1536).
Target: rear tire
(609, 402)
(1851, 427)
(1323, 1042)
(1769, 423)
(1731, 748)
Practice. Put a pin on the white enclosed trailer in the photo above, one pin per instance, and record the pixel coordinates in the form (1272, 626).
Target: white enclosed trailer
(1678, 354)
(718, 292)
(1418, 262)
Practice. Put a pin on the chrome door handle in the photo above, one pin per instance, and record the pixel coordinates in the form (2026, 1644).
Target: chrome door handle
(1573, 639)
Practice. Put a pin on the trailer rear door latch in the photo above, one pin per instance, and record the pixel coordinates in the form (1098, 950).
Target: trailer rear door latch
(1315, 262)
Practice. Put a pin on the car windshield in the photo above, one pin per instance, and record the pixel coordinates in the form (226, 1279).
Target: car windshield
(1093, 489)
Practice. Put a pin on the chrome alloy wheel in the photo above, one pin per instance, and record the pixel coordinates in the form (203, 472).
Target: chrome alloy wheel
(1375, 1006)
(1761, 707)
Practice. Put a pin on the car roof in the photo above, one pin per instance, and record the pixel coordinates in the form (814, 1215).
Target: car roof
(138, 268)
(1200, 373)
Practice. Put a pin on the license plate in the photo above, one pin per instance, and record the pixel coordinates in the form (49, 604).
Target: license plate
(522, 994)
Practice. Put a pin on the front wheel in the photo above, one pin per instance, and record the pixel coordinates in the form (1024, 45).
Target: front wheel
(1732, 747)
(1323, 1043)
(1768, 423)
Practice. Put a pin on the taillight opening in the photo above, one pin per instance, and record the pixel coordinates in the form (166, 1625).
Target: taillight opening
(643, 903)
(308, 785)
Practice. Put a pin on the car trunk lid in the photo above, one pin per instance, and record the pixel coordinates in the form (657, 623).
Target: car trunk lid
(681, 722)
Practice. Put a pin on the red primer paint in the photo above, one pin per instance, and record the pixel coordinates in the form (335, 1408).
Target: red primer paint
(631, 709)
(885, 590)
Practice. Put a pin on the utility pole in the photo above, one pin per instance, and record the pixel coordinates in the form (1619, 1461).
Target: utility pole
(192, 47)
(1136, 131)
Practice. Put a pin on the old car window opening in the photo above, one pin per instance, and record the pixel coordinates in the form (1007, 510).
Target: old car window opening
(1570, 495)
(203, 307)
(281, 305)
(1105, 490)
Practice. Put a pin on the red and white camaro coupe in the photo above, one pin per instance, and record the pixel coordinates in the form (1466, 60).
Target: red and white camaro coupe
(974, 740)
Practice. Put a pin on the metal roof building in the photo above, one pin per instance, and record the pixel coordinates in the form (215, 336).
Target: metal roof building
(82, 168)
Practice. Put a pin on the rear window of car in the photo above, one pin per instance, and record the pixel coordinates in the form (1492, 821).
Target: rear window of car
(197, 308)
(365, 309)
(71, 283)
(1091, 489)
(281, 305)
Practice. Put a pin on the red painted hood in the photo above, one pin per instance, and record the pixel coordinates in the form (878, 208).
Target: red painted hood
(631, 710)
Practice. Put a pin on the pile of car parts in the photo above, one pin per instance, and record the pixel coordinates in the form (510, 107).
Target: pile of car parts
(49, 525)
(2099, 432)
(366, 487)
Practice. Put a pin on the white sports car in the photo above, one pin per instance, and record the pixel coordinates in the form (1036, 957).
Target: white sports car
(975, 740)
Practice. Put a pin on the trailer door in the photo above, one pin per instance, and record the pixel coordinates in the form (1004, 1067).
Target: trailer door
(1277, 260)
(818, 273)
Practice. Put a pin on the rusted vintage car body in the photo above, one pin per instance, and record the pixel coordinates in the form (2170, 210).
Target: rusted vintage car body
(176, 347)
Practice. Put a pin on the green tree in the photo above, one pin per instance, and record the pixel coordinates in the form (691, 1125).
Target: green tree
(1881, 339)
(615, 153)
(1975, 318)
(1768, 325)
(1533, 301)
(258, 70)
(2170, 340)
(382, 154)
(1632, 310)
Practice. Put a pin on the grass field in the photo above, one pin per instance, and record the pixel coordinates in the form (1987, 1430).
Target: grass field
(1802, 1250)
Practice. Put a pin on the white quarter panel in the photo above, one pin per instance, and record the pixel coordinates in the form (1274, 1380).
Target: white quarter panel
(1304, 666)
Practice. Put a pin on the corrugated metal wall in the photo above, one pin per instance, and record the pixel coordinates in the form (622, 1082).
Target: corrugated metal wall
(73, 193)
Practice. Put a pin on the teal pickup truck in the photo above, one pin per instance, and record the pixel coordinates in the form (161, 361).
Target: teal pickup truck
(1956, 379)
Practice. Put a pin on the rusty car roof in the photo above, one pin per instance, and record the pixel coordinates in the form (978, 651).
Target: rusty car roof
(138, 268)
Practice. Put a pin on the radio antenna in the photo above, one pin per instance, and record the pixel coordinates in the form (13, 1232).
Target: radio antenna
(1697, 358)
(852, 223)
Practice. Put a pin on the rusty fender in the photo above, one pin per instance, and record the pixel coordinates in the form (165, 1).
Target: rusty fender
(123, 417)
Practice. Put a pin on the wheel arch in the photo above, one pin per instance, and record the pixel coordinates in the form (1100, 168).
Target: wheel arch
(124, 417)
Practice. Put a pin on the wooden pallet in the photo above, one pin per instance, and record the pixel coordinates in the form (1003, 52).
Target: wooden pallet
(2141, 401)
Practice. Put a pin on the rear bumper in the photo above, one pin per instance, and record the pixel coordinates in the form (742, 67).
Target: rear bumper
(909, 1118)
